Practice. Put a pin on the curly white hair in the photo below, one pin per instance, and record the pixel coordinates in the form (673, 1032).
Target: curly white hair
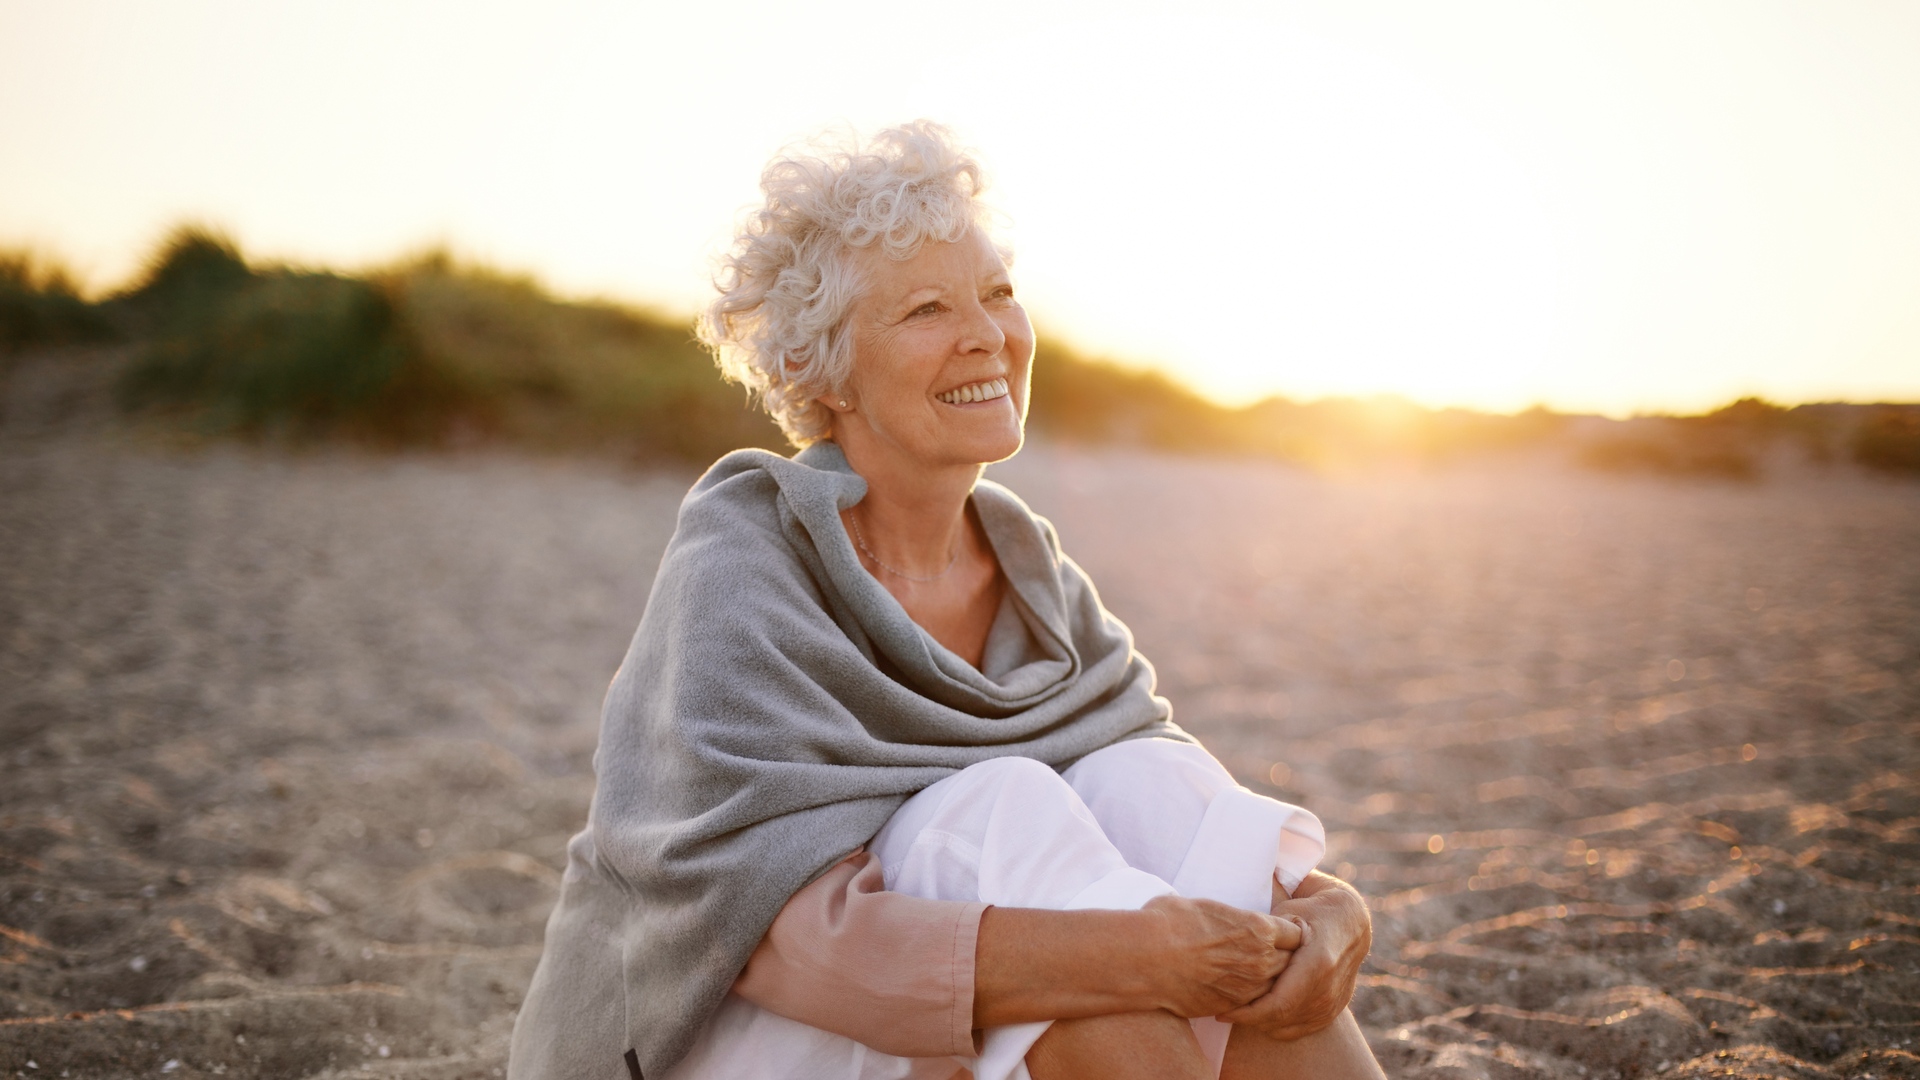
(790, 277)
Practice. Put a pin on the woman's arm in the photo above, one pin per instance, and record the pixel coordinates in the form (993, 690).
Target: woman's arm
(893, 971)
(914, 977)
(1189, 957)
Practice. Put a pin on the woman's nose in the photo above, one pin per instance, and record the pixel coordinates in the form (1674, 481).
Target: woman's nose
(982, 332)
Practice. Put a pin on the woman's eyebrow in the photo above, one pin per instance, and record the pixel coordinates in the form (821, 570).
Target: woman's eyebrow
(920, 294)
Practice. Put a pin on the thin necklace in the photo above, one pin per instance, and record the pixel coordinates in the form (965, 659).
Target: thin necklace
(895, 571)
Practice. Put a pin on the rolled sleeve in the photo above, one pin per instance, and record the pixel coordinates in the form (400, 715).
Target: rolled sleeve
(893, 971)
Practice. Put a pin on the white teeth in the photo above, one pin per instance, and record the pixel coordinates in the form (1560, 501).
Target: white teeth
(984, 391)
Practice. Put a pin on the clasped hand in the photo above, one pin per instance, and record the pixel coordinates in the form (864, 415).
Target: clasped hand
(1289, 974)
(1215, 957)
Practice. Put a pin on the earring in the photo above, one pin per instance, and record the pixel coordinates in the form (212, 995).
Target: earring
(843, 403)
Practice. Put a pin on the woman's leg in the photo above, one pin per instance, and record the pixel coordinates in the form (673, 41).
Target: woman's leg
(1156, 1045)
(1007, 832)
(1173, 810)
(1011, 832)
(1338, 1052)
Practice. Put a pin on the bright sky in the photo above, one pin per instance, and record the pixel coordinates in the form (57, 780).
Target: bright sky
(1603, 206)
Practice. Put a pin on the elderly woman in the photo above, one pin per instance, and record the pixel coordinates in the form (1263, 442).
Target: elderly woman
(883, 790)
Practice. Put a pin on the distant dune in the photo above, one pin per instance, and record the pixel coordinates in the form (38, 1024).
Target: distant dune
(437, 352)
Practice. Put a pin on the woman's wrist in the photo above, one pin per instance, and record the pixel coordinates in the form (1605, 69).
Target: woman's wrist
(1051, 965)
(1189, 957)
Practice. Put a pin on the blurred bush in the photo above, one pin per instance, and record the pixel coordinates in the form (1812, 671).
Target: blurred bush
(40, 304)
(1672, 446)
(1078, 400)
(1734, 442)
(428, 352)
(1890, 440)
(496, 356)
(194, 272)
(275, 350)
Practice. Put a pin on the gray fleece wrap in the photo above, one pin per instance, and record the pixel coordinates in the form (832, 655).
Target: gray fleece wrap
(778, 705)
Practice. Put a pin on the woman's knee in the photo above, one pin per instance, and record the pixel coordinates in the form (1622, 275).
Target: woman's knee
(1154, 1044)
(1011, 774)
(1152, 769)
(1008, 831)
(1152, 798)
(1017, 788)
(970, 802)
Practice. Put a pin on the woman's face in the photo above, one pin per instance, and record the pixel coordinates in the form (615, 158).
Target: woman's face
(941, 358)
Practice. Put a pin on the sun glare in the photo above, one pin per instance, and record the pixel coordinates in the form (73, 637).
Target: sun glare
(1304, 216)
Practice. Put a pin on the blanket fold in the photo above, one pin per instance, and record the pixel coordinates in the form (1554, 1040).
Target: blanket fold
(777, 705)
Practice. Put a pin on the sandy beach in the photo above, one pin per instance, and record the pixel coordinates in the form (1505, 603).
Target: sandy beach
(293, 741)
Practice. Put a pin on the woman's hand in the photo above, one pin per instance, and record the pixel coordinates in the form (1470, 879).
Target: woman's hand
(1210, 957)
(1318, 982)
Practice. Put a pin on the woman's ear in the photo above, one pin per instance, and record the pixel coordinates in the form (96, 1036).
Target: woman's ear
(835, 402)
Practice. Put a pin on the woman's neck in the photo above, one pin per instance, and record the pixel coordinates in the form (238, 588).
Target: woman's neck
(913, 520)
(915, 536)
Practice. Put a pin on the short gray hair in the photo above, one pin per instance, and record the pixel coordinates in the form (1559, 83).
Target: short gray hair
(789, 279)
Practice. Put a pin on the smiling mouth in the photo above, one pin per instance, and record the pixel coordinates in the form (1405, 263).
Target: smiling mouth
(980, 391)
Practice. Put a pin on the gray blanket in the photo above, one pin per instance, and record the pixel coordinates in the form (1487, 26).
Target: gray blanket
(777, 706)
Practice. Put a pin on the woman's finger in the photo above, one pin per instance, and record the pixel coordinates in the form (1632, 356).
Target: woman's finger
(1287, 933)
(1289, 1000)
(1272, 963)
(1267, 1012)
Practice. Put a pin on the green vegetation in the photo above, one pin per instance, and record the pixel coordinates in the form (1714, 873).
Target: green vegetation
(505, 359)
(250, 350)
(437, 352)
(40, 305)
(428, 352)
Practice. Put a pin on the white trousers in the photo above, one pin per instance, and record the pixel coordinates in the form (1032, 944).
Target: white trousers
(1125, 824)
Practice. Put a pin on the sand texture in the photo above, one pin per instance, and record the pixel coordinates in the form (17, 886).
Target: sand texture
(292, 743)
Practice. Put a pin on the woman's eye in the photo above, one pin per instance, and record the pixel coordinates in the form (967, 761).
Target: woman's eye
(931, 307)
(1004, 292)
